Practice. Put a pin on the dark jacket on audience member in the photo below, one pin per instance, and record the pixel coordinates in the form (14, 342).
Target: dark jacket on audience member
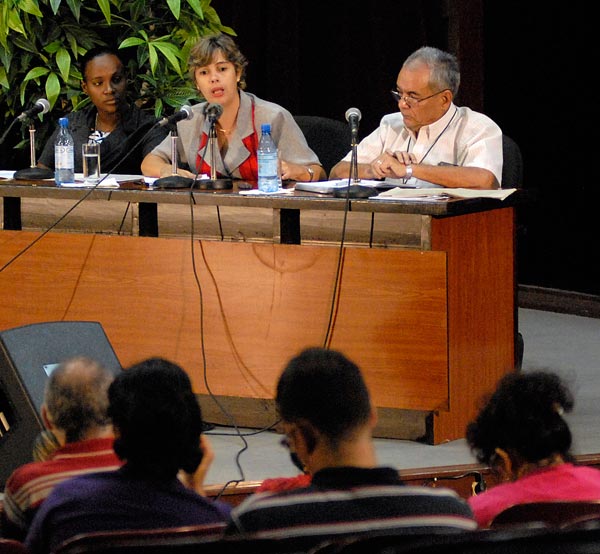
(120, 501)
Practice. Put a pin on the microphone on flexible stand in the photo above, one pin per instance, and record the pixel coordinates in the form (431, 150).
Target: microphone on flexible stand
(32, 172)
(185, 112)
(354, 188)
(353, 116)
(175, 181)
(41, 106)
(212, 112)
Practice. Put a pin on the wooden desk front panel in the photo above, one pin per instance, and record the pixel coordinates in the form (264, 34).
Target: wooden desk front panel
(481, 306)
(261, 304)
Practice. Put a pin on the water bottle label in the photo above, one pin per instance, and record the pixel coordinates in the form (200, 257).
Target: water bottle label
(268, 166)
(63, 157)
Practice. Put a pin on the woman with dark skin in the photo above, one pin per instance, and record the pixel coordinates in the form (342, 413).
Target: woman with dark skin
(109, 119)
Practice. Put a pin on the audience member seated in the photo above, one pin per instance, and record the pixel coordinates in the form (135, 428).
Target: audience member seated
(75, 413)
(328, 419)
(157, 423)
(521, 433)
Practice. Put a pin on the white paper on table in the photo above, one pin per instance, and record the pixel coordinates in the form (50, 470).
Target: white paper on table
(107, 183)
(424, 193)
(256, 192)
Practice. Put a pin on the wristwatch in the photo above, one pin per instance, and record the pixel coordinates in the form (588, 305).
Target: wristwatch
(310, 172)
(408, 173)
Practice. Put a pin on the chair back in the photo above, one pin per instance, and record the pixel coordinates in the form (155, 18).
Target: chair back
(328, 138)
(517, 540)
(559, 513)
(512, 164)
(10, 546)
(142, 541)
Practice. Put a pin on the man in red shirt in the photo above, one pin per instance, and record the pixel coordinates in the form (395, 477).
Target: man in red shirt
(75, 411)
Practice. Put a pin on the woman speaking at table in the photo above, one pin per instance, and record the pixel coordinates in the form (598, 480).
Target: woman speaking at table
(217, 68)
(110, 119)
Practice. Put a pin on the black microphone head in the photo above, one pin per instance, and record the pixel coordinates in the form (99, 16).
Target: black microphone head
(213, 111)
(353, 113)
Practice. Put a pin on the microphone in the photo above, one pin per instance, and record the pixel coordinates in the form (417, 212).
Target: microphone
(353, 116)
(41, 106)
(212, 112)
(32, 172)
(185, 112)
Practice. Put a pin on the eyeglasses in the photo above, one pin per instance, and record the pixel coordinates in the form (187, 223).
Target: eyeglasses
(411, 101)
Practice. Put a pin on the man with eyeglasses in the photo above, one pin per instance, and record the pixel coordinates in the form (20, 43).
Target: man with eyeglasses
(430, 142)
(328, 420)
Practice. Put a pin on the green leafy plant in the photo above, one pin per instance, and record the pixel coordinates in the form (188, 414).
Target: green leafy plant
(41, 42)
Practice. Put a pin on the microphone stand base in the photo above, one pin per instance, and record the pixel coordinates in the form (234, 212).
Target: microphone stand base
(173, 182)
(34, 173)
(213, 184)
(179, 182)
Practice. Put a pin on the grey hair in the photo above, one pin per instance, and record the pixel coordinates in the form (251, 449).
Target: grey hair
(76, 396)
(443, 67)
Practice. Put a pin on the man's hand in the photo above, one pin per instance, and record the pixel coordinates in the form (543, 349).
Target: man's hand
(392, 165)
(195, 481)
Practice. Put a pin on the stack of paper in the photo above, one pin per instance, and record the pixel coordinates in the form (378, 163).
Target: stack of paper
(436, 193)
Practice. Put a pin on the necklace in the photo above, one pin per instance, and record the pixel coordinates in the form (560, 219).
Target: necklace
(226, 132)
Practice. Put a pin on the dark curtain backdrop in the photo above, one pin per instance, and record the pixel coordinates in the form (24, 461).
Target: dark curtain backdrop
(321, 58)
(539, 72)
(527, 65)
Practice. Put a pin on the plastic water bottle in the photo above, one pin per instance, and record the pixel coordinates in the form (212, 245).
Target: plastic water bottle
(64, 154)
(269, 178)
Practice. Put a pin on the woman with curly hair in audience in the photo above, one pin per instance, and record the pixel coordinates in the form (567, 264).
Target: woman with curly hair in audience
(521, 433)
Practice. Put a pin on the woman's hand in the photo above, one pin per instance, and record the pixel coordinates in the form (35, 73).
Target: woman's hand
(299, 172)
(167, 171)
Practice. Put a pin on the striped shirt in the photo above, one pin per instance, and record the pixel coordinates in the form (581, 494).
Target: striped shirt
(30, 484)
(351, 501)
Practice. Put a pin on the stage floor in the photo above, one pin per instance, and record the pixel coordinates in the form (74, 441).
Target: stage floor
(566, 344)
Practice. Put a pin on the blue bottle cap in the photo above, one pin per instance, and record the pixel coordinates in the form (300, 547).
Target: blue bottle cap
(63, 122)
(265, 128)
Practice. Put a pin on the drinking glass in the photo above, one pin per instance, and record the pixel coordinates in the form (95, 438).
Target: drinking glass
(91, 162)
